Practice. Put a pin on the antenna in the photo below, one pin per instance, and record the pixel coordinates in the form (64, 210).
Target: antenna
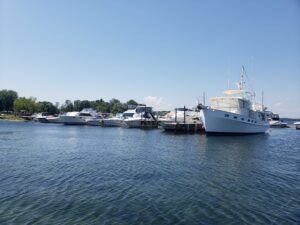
(203, 99)
(242, 82)
(262, 100)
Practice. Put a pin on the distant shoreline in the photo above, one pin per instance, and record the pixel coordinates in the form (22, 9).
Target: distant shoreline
(11, 118)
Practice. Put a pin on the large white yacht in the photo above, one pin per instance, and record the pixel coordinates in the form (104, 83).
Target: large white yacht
(235, 113)
(80, 118)
(142, 118)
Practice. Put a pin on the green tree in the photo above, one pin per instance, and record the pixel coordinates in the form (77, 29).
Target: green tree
(103, 107)
(93, 104)
(57, 106)
(84, 104)
(114, 101)
(7, 98)
(25, 104)
(118, 108)
(131, 102)
(99, 101)
(46, 107)
(67, 107)
(77, 105)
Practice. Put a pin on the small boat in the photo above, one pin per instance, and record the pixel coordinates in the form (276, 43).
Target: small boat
(54, 119)
(182, 120)
(80, 118)
(94, 121)
(116, 121)
(235, 113)
(297, 125)
(275, 121)
(143, 117)
(41, 117)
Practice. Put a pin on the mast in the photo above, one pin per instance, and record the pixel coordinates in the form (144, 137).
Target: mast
(262, 101)
(242, 82)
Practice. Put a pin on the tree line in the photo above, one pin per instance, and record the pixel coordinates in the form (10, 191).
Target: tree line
(11, 102)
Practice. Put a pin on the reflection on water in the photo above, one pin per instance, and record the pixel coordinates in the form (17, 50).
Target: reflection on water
(89, 175)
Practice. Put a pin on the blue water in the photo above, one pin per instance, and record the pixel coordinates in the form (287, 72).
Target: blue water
(55, 174)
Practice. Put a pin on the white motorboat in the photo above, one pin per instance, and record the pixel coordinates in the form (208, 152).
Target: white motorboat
(182, 120)
(180, 115)
(116, 121)
(297, 125)
(41, 117)
(275, 121)
(80, 118)
(235, 113)
(54, 119)
(93, 121)
(142, 118)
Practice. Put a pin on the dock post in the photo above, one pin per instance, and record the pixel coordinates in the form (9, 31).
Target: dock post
(185, 128)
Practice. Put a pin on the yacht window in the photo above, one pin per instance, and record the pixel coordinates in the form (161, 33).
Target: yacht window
(235, 117)
(226, 115)
(255, 121)
(248, 120)
(128, 114)
(85, 114)
(242, 119)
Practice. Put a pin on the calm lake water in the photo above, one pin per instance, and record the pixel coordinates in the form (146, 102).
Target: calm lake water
(56, 174)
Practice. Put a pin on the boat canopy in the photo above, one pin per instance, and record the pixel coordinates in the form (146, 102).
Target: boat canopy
(72, 114)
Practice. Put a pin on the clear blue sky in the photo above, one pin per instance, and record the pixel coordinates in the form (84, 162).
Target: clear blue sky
(161, 52)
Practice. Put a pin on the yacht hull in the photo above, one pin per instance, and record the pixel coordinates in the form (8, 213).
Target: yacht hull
(54, 120)
(42, 120)
(222, 122)
(139, 123)
(112, 123)
(278, 124)
(93, 122)
(73, 120)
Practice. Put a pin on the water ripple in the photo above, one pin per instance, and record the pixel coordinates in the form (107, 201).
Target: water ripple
(87, 175)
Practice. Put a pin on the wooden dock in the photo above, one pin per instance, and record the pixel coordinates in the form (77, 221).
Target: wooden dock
(177, 127)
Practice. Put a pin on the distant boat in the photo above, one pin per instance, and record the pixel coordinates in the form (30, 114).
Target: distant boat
(41, 117)
(54, 119)
(116, 121)
(80, 118)
(235, 113)
(181, 119)
(297, 124)
(93, 121)
(275, 121)
(143, 117)
(179, 115)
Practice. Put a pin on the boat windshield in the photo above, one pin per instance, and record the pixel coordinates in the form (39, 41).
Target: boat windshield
(230, 104)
